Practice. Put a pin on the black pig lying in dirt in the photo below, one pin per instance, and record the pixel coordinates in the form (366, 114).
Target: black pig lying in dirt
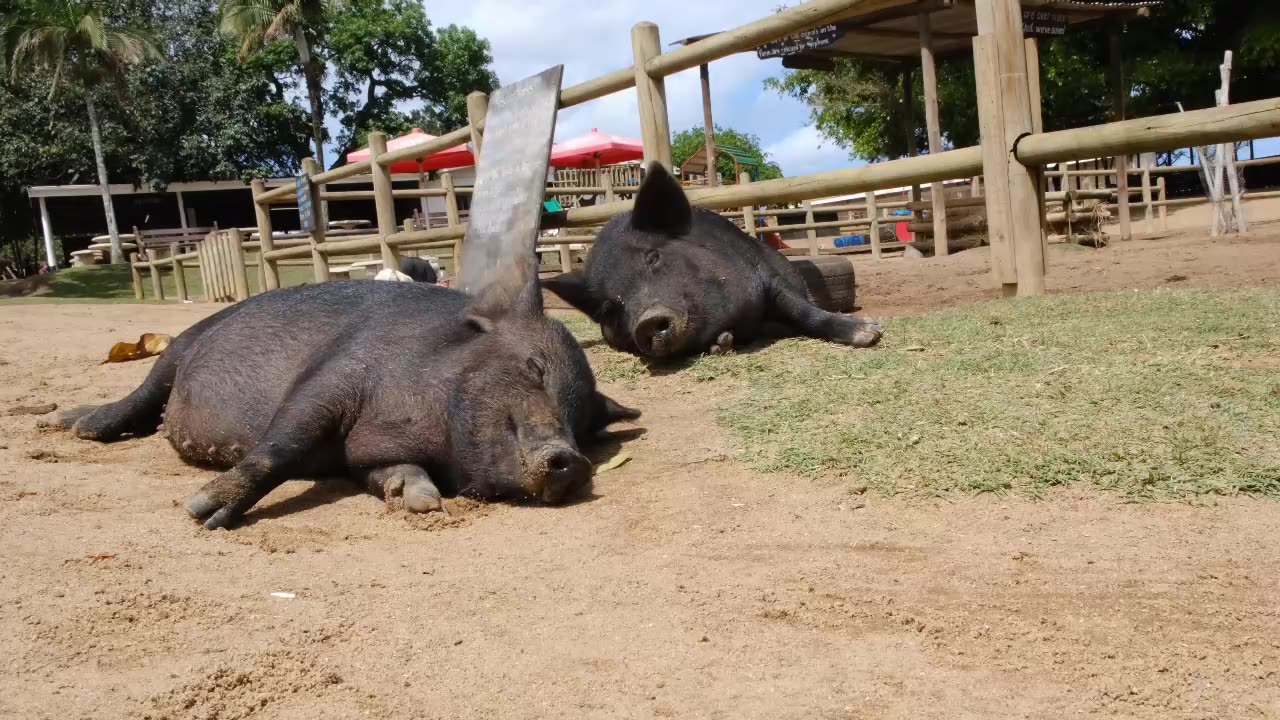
(666, 279)
(413, 389)
(418, 269)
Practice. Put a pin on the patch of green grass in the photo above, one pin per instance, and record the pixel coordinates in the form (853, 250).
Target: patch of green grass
(609, 365)
(1152, 394)
(114, 283)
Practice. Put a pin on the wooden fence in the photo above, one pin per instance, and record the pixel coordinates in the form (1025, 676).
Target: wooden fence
(1011, 158)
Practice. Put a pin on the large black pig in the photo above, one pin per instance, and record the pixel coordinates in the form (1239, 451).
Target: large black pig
(666, 279)
(415, 390)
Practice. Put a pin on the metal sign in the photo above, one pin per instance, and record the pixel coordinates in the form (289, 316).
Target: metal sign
(306, 208)
(511, 182)
(1043, 23)
(810, 39)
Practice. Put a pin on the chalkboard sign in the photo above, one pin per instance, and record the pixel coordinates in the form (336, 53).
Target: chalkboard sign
(811, 39)
(1043, 23)
(511, 181)
(306, 208)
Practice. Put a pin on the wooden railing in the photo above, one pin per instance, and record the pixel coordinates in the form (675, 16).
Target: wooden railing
(1013, 157)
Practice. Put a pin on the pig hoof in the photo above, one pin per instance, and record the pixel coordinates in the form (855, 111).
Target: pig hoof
(222, 501)
(67, 419)
(866, 334)
(423, 497)
(410, 484)
(724, 344)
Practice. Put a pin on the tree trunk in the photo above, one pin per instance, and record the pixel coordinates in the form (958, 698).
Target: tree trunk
(312, 76)
(117, 252)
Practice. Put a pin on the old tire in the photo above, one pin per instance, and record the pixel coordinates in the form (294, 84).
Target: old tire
(829, 280)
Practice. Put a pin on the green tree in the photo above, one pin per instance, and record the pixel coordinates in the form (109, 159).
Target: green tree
(385, 56)
(71, 40)
(257, 22)
(687, 142)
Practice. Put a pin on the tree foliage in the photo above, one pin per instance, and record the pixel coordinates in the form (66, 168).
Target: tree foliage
(687, 142)
(386, 55)
(1170, 57)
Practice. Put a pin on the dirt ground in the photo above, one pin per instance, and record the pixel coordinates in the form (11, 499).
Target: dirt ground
(690, 586)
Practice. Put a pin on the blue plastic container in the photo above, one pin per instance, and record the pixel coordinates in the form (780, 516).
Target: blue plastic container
(850, 240)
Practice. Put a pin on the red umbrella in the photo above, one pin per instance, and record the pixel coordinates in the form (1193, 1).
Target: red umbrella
(457, 156)
(596, 148)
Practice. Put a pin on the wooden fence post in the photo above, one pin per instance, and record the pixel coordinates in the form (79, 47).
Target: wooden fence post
(213, 272)
(873, 214)
(477, 109)
(179, 278)
(383, 199)
(606, 178)
(748, 211)
(239, 273)
(1164, 210)
(319, 263)
(1119, 94)
(266, 242)
(156, 287)
(1001, 70)
(1148, 221)
(137, 276)
(937, 191)
(810, 233)
(655, 131)
(451, 218)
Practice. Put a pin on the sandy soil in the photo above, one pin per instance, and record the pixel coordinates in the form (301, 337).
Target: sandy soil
(689, 586)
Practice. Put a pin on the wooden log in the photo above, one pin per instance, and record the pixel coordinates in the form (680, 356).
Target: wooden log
(749, 36)
(239, 272)
(451, 218)
(606, 179)
(1148, 219)
(652, 95)
(748, 211)
(385, 160)
(928, 73)
(810, 232)
(361, 194)
(616, 81)
(1230, 123)
(477, 110)
(137, 276)
(384, 201)
(961, 225)
(319, 263)
(262, 214)
(952, 204)
(995, 175)
(708, 128)
(1031, 48)
(873, 215)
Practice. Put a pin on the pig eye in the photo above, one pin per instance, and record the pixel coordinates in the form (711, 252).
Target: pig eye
(652, 258)
(537, 368)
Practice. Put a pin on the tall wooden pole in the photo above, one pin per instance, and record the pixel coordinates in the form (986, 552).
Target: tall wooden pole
(655, 130)
(1119, 95)
(1004, 111)
(383, 200)
(909, 111)
(266, 242)
(928, 74)
(319, 263)
(708, 129)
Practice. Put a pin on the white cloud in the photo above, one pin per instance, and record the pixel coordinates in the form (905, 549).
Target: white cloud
(805, 151)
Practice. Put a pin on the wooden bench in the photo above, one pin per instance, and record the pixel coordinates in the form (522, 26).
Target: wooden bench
(174, 240)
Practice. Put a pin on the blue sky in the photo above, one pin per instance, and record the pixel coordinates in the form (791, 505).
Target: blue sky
(594, 38)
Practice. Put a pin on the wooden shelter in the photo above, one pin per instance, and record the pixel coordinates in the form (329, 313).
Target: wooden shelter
(917, 34)
(697, 166)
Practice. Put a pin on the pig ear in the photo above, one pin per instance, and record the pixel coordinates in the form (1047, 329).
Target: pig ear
(495, 303)
(661, 205)
(572, 288)
(609, 412)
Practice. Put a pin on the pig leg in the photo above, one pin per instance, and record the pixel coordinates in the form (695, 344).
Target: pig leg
(138, 413)
(805, 318)
(724, 344)
(406, 481)
(302, 425)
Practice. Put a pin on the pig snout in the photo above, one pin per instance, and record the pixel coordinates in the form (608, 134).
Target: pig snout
(659, 331)
(559, 473)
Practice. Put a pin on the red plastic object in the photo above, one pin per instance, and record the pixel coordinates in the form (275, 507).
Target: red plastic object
(900, 230)
(455, 157)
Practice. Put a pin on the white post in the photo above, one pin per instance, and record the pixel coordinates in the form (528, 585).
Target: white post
(47, 225)
(182, 211)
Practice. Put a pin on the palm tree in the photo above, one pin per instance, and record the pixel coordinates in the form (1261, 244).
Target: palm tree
(70, 39)
(256, 22)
